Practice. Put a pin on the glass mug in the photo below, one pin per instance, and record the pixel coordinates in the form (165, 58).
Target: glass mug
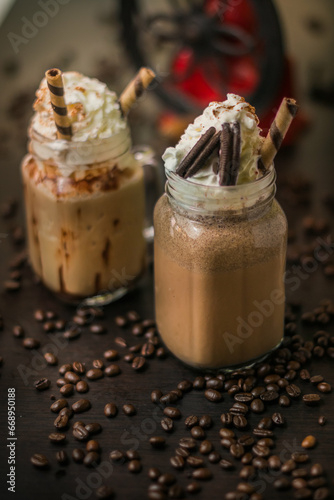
(85, 215)
(219, 255)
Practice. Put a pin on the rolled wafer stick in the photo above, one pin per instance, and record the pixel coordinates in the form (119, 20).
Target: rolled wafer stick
(135, 89)
(198, 147)
(56, 88)
(203, 156)
(278, 129)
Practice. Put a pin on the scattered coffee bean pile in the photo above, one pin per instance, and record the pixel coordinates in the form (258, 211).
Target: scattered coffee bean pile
(242, 395)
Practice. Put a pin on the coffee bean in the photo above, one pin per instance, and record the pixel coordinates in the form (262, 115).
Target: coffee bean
(239, 421)
(167, 424)
(309, 442)
(203, 474)
(97, 328)
(135, 466)
(98, 364)
(172, 412)
(110, 410)
(72, 333)
(18, 331)
(129, 410)
(227, 442)
(67, 389)
(78, 423)
(300, 458)
(105, 492)
(91, 459)
(205, 422)
(121, 342)
(246, 488)
(78, 368)
(92, 445)
(71, 377)
(247, 458)
(260, 463)
(138, 363)
(282, 483)
(111, 355)
(299, 473)
(288, 466)
(195, 461)
(237, 450)
(58, 405)
(153, 473)
(244, 397)
(226, 419)
(188, 443)
(39, 315)
(61, 422)
(116, 456)
(193, 487)
(322, 420)
(81, 405)
(214, 457)
(321, 494)
(94, 374)
(284, 401)
(182, 452)
(177, 462)
(316, 470)
(239, 409)
(205, 447)
(62, 457)
(213, 395)
(80, 433)
(156, 394)
(42, 384)
(57, 437)
(246, 440)
(31, 343)
(317, 482)
(191, 421)
(157, 441)
(161, 353)
(67, 412)
(269, 396)
(265, 423)
(263, 432)
(324, 387)
(274, 462)
(112, 370)
(278, 419)
(311, 399)
(82, 386)
(303, 493)
(199, 383)
(65, 368)
(60, 324)
(224, 432)
(40, 461)
(185, 385)
(11, 285)
(261, 451)
(197, 432)
(78, 455)
(50, 358)
(93, 428)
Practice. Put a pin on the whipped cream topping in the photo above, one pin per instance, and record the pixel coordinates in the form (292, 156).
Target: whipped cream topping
(93, 109)
(100, 133)
(233, 109)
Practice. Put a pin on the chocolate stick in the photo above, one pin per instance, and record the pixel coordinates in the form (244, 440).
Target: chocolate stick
(236, 152)
(190, 157)
(203, 156)
(135, 89)
(56, 88)
(279, 127)
(225, 153)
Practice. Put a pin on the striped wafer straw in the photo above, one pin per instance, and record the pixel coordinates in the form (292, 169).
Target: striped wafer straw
(135, 89)
(56, 88)
(278, 129)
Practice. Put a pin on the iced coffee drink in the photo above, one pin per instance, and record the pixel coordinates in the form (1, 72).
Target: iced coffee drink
(84, 196)
(220, 243)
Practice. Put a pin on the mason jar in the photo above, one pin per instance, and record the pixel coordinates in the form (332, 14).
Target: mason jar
(85, 208)
(219, 271)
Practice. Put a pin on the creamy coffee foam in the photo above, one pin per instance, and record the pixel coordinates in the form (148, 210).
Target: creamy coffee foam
(233, 109)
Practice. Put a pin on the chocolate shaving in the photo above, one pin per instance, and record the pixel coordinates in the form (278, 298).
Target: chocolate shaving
(197, 149)
(225, 153)
(203, 156)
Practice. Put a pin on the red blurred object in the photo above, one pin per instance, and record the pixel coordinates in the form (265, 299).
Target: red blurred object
(206, 80)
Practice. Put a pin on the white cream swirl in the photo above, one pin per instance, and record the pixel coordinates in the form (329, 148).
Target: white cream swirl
(93, 109)
(233, 109)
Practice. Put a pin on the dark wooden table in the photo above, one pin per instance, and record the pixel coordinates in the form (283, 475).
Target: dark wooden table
(310, 159)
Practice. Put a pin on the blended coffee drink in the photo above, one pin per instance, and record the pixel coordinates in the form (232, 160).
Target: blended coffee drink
(84, 196)
(220, 243)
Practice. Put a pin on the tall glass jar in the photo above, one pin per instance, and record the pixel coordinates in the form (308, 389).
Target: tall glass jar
(219, 268)
(85, 216)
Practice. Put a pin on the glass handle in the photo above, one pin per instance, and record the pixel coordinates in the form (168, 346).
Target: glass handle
(154, 184)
